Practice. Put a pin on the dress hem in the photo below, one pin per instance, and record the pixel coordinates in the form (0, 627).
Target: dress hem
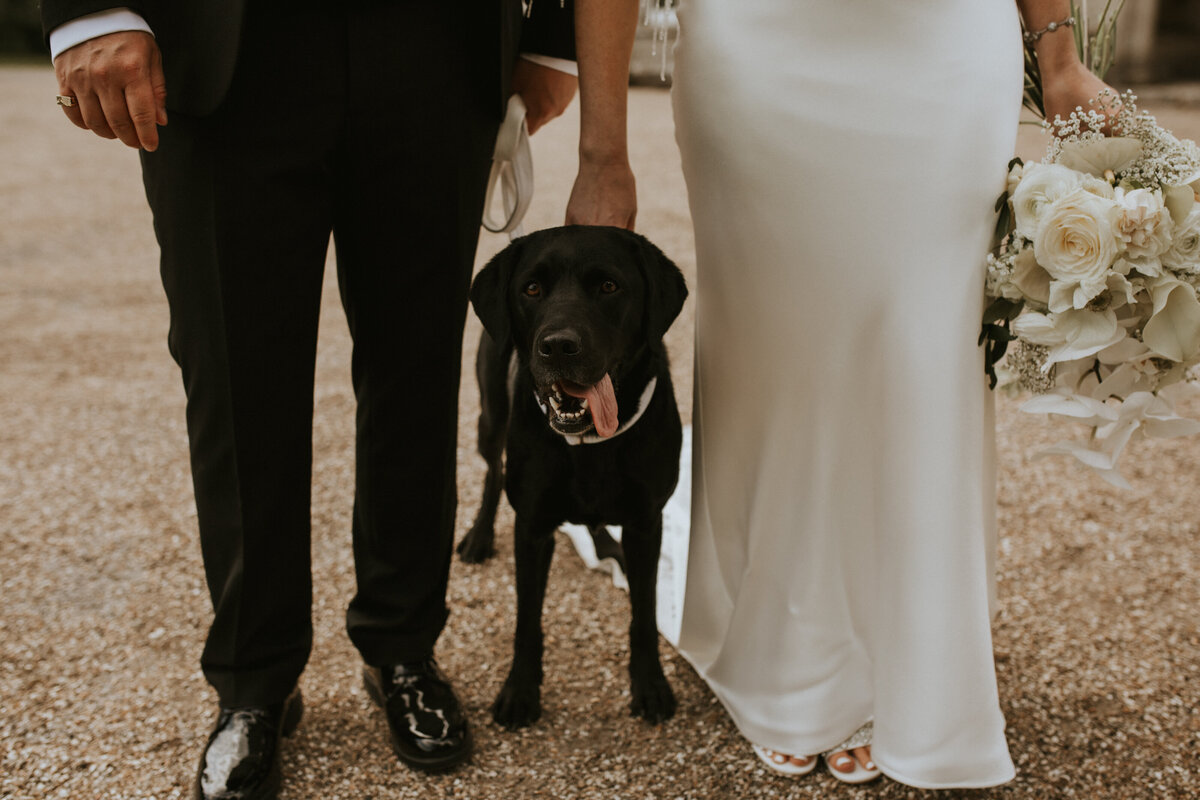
(894, 774)
(897, 776)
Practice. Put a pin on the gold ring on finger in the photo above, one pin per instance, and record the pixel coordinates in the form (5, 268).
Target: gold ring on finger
(65, 100)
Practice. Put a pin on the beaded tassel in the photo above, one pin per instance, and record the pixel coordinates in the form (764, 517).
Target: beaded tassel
(657, 15)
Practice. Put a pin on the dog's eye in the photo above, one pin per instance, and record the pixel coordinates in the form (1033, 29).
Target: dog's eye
(608, 287)
(533, 289)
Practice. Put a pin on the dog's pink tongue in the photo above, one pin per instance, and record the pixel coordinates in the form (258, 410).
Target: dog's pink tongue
(602, 402)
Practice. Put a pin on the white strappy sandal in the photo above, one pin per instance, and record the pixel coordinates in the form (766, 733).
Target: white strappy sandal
(860, 774)
(784, 764)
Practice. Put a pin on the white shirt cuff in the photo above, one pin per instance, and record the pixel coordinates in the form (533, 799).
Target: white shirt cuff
(80, 29)
(561, 64)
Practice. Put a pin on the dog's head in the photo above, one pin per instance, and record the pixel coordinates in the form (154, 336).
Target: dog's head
(578, 302)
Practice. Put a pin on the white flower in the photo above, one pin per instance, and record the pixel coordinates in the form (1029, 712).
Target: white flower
(1145, 226)
(1070, 335)
(1179, 200)
(1194, 182)
(1113, 427)
(1098, 187)
(1173, 330)
(1131, 367)
(1077, 242)
(1031, 281)
(1184, 253)
(1039, 186)
(1112, 154)
(1117, 292)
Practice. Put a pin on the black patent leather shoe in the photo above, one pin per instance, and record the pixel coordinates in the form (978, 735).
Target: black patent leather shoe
(241, 759)
(428, 729)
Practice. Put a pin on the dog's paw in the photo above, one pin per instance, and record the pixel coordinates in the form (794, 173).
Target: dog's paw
(653, 699)
(475, 548)
(518, 705)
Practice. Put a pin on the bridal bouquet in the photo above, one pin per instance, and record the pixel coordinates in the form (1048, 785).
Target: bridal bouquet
(1093, 280)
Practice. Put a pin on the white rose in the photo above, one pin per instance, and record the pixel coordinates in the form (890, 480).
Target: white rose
(1040, 185)
(1098, 187)
(1145, 227)
(1077, 242)
(1184, 253)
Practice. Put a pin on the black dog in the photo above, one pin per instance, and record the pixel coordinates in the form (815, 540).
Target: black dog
(593, 432)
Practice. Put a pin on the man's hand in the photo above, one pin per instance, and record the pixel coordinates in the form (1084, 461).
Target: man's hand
(545, 91)
(118, 85)
(604, 194)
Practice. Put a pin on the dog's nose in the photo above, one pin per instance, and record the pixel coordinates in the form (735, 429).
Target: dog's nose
(560, 344)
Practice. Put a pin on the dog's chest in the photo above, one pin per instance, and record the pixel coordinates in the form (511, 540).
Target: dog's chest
(620, 481)
(598, 489)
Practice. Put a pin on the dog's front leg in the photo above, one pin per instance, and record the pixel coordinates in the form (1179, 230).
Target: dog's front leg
(519, 703)
(652, 698)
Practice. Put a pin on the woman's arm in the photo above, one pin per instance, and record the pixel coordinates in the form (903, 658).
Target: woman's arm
(1066, 82)
(604, 191)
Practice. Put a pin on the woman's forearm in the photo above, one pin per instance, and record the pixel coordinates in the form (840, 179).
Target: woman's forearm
(604, 31)
(1055, 49)
(1067, 83)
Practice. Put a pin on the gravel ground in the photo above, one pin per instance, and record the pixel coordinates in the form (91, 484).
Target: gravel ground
(104, 607)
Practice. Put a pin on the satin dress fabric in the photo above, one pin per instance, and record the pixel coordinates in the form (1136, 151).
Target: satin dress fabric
(842, 162)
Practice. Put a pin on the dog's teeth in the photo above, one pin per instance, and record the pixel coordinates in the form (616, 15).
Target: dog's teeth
(583, 403)
(554, 403)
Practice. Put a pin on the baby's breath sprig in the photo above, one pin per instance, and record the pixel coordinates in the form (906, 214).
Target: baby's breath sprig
(1164, 161)
(1105, 111)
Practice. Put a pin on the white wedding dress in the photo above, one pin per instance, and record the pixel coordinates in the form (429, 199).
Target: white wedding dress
(842, 159)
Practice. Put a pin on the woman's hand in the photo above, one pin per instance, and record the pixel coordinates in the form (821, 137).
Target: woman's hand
(1070, 86)
(1066, 83)
(604, 193)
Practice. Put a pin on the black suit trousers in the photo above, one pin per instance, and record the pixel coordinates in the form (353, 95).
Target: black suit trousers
(367, 122)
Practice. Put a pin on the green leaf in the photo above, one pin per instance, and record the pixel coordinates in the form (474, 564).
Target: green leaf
(1002, 309)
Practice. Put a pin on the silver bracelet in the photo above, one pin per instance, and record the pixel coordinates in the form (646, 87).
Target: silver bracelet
(1031, 37)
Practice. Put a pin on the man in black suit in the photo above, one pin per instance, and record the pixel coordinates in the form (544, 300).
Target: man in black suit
(373, 120)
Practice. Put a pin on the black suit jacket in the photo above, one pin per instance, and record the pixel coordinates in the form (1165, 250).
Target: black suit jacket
(199, 40)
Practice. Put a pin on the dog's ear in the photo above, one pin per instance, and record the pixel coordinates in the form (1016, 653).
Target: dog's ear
(489, 292)
(665, 289)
